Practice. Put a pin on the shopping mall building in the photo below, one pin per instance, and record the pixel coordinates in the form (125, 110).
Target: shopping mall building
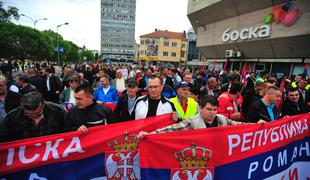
(268, 35)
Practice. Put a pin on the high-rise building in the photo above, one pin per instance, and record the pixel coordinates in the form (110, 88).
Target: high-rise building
(118, 29)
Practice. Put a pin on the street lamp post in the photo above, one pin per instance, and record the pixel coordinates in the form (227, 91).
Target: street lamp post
(58, 59)
(34, 21)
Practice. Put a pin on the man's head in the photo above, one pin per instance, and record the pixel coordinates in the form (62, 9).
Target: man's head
(235, 89)
(187, 78)
(303, 82)
(212, 83)
(182, 89)
(155, 86)
(83, 95)
(174, 72)
(31, 72)
(272, 94)
(208, 107)
(32, 104)
(131, 86)
(148, 72)
(293, 95)
(22, 80)
(298, 78)
(105, 81)
(119, 73)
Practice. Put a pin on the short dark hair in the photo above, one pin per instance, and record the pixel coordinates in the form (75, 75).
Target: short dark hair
(208, 99)
(31, 100)
(153, 76)
(235, 88)
(86, 87)
(23, 78)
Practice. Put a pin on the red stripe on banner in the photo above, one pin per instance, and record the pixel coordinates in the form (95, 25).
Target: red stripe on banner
(226, 144)
(26, 154)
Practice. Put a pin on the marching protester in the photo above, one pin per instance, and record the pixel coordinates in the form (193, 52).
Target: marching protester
(66, 97)
(35, 117)
(106, 92)
(53, 86)
(87, 112)
(292, 105)
(185, 106)
(265, 108)
(154, 103)
(126, 102)
(207, 118)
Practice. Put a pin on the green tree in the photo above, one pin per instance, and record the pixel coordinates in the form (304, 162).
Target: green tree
(7, 15)
(87, 55)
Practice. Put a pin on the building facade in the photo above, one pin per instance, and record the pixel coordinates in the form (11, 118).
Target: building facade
(268, 35)
(118, 29)
(163, 46)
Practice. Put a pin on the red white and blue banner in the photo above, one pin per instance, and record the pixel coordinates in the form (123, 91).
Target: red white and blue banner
(276, 150)
(105, 152)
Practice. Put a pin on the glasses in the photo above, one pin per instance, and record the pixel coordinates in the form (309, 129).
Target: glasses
(34, 114)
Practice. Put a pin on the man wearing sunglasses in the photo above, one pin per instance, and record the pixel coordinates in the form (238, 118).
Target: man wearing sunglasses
(34, 117)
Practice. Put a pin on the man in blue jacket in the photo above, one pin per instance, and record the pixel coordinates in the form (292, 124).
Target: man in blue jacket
(105, 92)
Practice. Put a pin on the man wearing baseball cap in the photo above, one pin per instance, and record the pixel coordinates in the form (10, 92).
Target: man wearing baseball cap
(186, 107)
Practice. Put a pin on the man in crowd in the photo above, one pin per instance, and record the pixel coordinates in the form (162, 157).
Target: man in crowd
(154, 104)
(120, 81)
(186, 107)
(304, 94)
(265, 108)
(35, 80)
(87, 112)
(231, 102)
(292, 105)
(53, 86)
(33, 118)
(176, 78)
(211, 88)
(106, 92)
(126, 102)
(207, 118)
(23, 83)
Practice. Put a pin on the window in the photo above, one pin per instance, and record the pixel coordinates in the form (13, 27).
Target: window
(173, 54)
(174, 44)
(166, 43)
(183, 45)
(182, 54)
(142, 42)
(141, 52)
(165, 53)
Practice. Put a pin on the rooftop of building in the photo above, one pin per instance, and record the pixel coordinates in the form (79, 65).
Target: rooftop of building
(166, 34)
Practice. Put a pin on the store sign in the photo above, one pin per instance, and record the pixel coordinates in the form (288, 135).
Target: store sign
(246, 33)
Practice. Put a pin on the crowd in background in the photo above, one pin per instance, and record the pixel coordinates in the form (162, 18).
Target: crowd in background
(38, 99)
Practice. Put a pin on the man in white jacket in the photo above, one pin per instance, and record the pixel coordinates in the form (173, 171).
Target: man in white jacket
(154, 103)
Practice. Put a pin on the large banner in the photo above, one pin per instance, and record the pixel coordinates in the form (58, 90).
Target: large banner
(277, 150)
(105, 152)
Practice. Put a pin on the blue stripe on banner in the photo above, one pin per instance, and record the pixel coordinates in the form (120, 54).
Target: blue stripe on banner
(266, 164)
(80, 169)
(155, 174)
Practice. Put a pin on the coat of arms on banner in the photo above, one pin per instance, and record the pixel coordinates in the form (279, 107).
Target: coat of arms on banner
(123, 162)
(193, 164)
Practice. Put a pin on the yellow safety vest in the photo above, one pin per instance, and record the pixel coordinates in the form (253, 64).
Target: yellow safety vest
(191, 107)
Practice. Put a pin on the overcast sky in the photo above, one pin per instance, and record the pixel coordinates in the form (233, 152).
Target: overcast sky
(83, 17)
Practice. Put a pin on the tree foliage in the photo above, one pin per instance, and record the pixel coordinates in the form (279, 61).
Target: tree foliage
(7, 14)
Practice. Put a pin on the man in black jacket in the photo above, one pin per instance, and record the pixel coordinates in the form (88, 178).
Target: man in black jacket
(87, 112)
(35, 80)
(292, 105)
(265, 108)
(126, 102)
(53, 86)
(33, 118)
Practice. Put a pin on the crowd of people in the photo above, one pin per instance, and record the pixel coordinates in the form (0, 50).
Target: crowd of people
(34, 101)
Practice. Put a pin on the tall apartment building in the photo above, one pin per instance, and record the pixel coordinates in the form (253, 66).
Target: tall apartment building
(118, 29)
(163, 46)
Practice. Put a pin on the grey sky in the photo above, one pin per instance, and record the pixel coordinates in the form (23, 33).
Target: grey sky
(83, 17)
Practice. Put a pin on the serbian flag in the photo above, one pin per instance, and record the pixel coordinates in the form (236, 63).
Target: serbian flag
(225, 65)
(105, 152)
(244, 73)
(306, 69)
(276, 150)
(203, 62)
